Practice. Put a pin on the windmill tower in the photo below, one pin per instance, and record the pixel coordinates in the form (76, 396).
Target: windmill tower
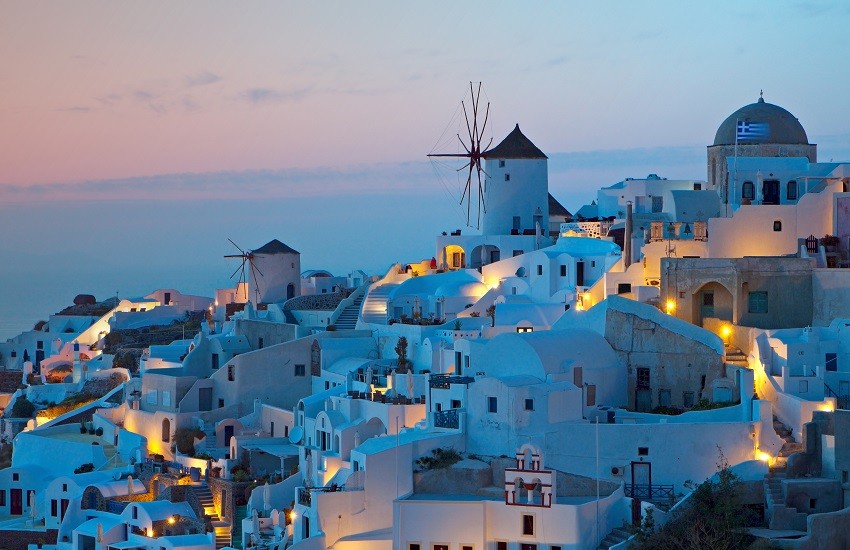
(516, 190)
(275, 272)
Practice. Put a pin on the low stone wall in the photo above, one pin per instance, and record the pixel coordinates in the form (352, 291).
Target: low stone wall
(227, 495)
(20, 540)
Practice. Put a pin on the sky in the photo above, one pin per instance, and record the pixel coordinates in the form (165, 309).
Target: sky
(137, 137)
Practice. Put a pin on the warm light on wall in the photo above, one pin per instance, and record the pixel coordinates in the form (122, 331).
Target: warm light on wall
(150, 532)
(827, 406)
(670, 307)
(292, 516)
(171, 520)
(763, 456)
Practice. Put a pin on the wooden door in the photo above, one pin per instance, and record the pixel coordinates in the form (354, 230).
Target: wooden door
(16, 505)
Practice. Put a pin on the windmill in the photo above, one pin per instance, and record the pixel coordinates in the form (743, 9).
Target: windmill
(473, 152)
(247, 258)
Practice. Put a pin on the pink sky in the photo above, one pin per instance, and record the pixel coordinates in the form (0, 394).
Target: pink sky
(94, 90)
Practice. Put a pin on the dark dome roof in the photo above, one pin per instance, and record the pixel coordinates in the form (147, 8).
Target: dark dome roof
(780, 126)
(515, 146)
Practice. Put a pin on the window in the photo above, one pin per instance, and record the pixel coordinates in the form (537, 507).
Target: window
(577, 376)
(507, 177)
(539, 269)
(777, 225)
(492, 405)
(215, 363)
(643, 451)
(16, 477)
(688, 399)
(757, 302)
(831, 361)
(748, 190)
(466, 363)
(455, 403)
(260, 341)
(697, 187)
(300, 370)
(2, 497)
(525, 329)
(466, 547)
(592, 263)
(591, 395)
(791, 191)
(135, 512)
(563, 271)
(664, 398)
(438, 546)
(221, 403)
(271, 429)
(501, 545)
(54, 508)
(166, 398)
(39, 344)
(458, 361)
(414, 546)
(231, 373)
(804, 386)
(64, 487)
(501, 164)
(624, 288)
(327, 385)
(642, 378)
(529, 404)
(152, 397)
(517, 253)
(528, 524)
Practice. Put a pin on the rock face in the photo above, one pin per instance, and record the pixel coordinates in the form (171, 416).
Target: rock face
(84, 300)
(465, 477)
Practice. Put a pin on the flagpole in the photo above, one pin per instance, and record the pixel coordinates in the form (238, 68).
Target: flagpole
(735, 179)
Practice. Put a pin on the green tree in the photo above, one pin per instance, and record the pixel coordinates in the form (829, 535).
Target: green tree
(401, 352)
(713, 517)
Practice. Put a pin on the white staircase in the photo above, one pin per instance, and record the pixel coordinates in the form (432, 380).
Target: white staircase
(347, 319)
(375, 304)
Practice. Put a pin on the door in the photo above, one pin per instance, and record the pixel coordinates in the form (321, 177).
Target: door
(16, 497)
(228, 434)
(770, 192)
(579, 273)
(205, 399)
(643, 390)
(707, 309)
(641, 475)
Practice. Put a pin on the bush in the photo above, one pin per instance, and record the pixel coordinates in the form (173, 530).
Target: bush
(23, 408)
(184, 439)
(88, 467)
(439, 459)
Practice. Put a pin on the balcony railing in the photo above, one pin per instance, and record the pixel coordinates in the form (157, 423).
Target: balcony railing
(652, 493)
(447, 419)
(305, 494)
(443, 381)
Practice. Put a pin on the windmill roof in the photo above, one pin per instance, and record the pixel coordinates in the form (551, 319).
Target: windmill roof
(556, 208)
(275, 247)
(515, 146)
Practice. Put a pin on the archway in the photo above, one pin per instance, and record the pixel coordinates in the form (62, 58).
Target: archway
(712, 300)
(455, 257)
(483, 255)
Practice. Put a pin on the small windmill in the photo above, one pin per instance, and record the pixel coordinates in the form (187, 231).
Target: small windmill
(247, 258)
(473, 152)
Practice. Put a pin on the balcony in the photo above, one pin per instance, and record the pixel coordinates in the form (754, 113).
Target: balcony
(447, 419)
(650, 492)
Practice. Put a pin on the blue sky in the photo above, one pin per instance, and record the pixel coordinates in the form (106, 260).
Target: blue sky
(135, 138)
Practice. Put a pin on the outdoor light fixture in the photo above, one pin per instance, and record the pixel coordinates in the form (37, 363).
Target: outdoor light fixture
(292, 516)
(670, 307)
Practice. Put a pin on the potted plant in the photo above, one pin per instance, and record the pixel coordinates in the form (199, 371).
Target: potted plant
(829, 242)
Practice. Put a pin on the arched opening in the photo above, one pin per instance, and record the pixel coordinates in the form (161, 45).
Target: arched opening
(290, 291)
(166, 430)
(712, 300)
(483, 255)
(455, 257)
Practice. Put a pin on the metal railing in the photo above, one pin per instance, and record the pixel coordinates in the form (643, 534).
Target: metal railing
(650, 492)
(447, 419)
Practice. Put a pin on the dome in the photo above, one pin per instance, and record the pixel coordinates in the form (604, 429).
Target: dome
(772, 124)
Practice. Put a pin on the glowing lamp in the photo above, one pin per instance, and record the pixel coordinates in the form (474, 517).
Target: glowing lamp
(292, 516)
(763, 456)
(670, 307)
(171, 520)
(828, 407)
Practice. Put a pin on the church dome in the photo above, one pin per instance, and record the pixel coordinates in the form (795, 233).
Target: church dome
(759, 123)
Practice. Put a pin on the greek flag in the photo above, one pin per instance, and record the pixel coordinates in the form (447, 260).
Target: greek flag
(752, 130)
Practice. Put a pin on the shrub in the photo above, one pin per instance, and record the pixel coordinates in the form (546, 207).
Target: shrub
(439, 459)
(88, 467)
(23, 408)
(185, 438)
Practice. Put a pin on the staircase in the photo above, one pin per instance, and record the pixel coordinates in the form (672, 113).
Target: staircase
(615, 537)
(789, 446)
(375, 304)
(209, 439)
(347, 319)
(735, 356)
(778, 514)
(222, 530)
(113, 459)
